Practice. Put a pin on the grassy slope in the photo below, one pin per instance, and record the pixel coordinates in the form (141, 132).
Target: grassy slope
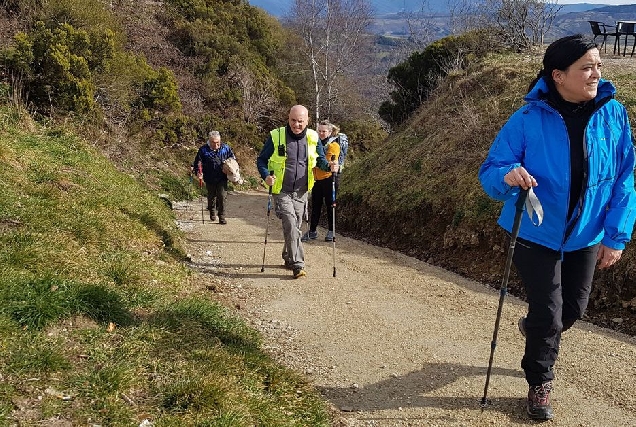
(100, 321)
(419, 192)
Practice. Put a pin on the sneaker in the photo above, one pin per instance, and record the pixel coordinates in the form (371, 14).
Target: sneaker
(299, 272)
(222, 220)
(539, 402)
(329, 236)
(310, 235)
(522, 325)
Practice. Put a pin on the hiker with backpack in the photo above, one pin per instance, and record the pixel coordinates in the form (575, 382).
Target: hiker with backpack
(322, 191)
(572, 144)
(209, 166)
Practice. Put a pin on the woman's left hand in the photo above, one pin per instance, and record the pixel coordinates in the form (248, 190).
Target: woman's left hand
(607, 256)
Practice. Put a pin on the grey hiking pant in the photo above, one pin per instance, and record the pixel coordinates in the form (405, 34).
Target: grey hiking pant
(290, 208)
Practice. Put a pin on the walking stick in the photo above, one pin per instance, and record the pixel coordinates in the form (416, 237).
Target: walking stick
(333, 215)
(519, 205)
(269, 208)
(201, 188)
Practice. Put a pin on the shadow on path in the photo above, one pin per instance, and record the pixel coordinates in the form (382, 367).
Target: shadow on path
(411, 391)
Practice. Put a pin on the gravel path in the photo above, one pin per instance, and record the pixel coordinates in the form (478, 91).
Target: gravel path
(393, 341)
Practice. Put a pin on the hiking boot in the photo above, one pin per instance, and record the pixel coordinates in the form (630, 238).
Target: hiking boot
(310, 235)
(329, 236)
(212, 216)
(222, 220)
(299, 272)
(522, 325)
(539, 402)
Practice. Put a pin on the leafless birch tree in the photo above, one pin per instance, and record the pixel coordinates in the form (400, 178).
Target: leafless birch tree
(332, 31)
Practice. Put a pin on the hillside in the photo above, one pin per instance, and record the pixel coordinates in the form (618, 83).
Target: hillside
(162, 82)
(427, 204)
(101, 320)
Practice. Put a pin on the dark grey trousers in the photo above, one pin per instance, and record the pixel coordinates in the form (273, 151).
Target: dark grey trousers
(217, 195)
(558, 290)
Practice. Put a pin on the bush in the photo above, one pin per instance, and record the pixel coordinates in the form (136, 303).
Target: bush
(156, 102)
(55, 65)
(415, 78)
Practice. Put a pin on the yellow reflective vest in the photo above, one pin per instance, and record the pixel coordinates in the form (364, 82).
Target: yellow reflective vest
(276, 162)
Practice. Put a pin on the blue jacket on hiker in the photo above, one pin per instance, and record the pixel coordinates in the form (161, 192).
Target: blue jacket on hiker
(212, 162)
(532, 138)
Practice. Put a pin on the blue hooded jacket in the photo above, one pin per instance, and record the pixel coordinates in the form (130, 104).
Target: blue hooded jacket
(536, 138)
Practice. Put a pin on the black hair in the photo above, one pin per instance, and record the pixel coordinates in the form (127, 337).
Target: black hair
(561, 54)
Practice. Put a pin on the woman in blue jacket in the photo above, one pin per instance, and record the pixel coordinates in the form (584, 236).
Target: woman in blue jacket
(572, 142)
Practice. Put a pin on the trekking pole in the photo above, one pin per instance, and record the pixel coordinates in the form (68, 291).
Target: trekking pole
(201, 189)
(333, 216)
(269, 208)
(519, 204)
(306, 213)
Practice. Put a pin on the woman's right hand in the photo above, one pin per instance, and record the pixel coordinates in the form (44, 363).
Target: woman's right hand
(270, 180)
(519, 177)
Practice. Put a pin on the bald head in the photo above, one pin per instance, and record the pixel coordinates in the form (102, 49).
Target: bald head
(298, 118)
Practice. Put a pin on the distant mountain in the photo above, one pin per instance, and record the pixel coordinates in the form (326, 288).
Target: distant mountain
(281, 7)
(570, 22)
(381, 8)
(391, 16)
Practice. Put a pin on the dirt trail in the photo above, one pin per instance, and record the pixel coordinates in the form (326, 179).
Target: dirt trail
(393, 341)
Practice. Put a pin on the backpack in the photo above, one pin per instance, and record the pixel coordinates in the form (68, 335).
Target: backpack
(343, 141)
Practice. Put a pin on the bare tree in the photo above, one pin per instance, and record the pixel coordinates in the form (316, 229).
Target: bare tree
(519, 22)
(258, 95)
(542, 16)
(421, 28)
(332, 31)
(512, 18)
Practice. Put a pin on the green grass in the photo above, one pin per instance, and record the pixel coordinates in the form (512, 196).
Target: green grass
(100, 321)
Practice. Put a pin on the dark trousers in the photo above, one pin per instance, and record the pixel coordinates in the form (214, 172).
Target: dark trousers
(217, 194)
(558, 290)
(322, 193)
